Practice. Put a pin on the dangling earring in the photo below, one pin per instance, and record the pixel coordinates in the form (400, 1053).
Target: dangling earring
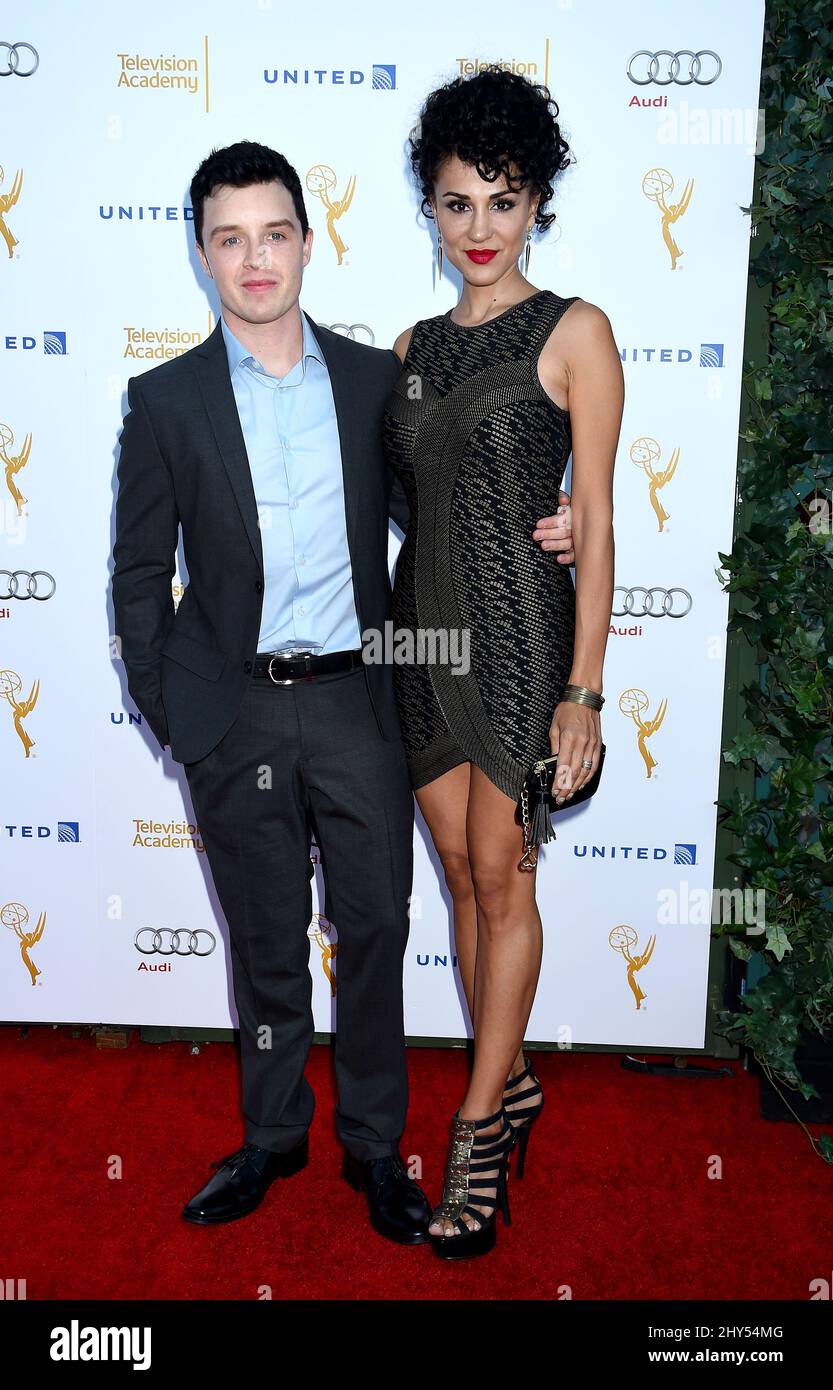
(526, 252)
(439, 254)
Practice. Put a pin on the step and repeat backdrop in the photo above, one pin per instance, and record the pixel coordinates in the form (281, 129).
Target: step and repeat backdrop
(107, 912)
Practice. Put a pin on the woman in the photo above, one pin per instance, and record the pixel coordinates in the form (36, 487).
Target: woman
(479, 427)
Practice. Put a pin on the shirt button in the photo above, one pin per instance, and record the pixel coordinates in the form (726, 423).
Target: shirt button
(302, 610)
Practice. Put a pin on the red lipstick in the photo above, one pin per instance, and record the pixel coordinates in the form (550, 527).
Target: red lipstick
(481, 257)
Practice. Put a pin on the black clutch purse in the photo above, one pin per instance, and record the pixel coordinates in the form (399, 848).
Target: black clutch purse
(537, 803)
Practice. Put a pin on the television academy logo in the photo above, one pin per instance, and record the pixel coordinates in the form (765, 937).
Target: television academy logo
(15, 916)
(7, 202)
(14, 463)
(322, 932)
(172, 834)
(634, 705)
(161, 344)
(164, 72)
(657, 186)
(11, 689)
(529, 67)
(321, 181)
(623, 939)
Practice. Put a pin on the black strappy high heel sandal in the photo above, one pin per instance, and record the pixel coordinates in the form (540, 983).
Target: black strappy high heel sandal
(472, 1152)
(521, 1115)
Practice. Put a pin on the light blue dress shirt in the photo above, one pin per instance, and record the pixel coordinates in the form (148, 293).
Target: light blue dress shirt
(291, 434)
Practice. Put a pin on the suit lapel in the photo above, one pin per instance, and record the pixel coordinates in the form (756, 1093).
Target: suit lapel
(221, 408)
(332, 347)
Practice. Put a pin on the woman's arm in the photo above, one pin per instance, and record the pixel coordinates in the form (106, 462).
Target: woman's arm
(595, 383)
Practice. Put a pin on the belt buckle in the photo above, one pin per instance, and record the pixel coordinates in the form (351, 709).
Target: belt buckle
(290, 656)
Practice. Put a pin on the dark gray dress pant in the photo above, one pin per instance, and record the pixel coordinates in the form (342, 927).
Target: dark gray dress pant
(299, 758)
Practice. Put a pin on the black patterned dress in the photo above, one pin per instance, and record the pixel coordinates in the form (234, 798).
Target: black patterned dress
(481, 451)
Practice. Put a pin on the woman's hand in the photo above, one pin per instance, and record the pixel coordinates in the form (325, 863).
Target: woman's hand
(576, 736)
(556, 532)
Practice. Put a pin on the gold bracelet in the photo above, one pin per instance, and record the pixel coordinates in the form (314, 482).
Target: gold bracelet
(581, 695)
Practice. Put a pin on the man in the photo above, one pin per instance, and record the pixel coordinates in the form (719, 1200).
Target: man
(264, 444)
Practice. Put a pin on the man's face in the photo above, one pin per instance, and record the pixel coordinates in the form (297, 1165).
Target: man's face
(253, 248)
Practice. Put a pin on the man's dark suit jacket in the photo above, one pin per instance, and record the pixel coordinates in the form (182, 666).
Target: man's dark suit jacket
(183, 460)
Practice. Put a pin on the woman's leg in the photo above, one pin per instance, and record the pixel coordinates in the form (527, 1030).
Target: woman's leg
(444, 805)
(509, 948)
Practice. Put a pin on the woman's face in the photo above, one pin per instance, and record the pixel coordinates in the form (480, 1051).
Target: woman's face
(477, 218)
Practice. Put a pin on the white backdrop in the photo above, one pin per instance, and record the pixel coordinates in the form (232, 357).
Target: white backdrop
(98, 147)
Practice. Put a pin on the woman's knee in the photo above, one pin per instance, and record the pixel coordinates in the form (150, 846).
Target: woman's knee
(491, 891)
(500, 899)
(457, 871)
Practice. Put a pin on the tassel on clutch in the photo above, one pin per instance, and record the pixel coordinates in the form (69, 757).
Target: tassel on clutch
(537, 804)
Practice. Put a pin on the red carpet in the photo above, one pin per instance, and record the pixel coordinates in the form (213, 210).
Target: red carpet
(616, 1202)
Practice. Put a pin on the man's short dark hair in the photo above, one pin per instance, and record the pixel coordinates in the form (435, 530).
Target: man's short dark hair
(238, 166)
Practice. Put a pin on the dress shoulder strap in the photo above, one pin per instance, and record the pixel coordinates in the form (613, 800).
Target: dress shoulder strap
(552, 308)
(420, 344)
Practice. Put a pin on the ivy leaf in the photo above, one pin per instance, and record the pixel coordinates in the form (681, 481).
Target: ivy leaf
(776, 941)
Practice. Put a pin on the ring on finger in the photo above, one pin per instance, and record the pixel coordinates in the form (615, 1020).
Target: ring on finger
(580, 781)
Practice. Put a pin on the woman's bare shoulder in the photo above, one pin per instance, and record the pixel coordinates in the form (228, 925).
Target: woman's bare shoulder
(581, 330)
(586, 319)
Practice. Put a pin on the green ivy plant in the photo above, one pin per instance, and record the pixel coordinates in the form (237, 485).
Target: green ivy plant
(780, 571)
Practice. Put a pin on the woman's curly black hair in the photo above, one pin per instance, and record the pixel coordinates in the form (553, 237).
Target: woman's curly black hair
(492, 120)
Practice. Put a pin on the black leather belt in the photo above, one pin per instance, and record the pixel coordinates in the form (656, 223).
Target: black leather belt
(283, 671)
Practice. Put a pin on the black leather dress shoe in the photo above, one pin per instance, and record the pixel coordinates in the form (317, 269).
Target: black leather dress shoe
(399, 1210)
(242, 1182)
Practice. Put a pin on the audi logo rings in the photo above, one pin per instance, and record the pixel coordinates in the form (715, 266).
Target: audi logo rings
(356, 332)
(12, 65)
(11, 589)
(158, 934)
(666, 608)
(695, 67)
